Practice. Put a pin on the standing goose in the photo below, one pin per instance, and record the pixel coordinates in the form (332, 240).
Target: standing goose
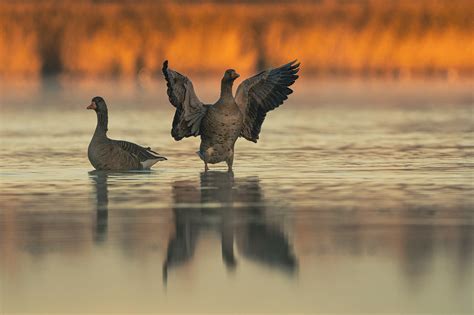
(220, 124)
(108, 154)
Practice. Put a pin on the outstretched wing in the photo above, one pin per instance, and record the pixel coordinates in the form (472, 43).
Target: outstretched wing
(189, 109)
(262, 93)
(141, 153)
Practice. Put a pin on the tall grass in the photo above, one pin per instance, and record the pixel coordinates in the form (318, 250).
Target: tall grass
(366, 37)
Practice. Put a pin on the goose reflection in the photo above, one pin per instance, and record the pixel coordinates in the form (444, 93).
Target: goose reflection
(102, 209)
(235, 209)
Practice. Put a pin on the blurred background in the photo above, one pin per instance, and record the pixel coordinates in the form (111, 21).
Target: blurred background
(121, 38)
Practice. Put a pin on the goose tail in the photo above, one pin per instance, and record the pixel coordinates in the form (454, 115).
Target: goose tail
(153, 158)
(156, 155)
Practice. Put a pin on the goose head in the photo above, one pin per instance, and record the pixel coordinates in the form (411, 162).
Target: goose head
(230, 75)
(98, 104)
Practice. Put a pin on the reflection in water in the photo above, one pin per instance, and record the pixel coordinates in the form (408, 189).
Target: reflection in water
(235, 208)
(418, 252)
(386, 212)
(418, 260)
(465, 250)
(421, 243)
(102, 198)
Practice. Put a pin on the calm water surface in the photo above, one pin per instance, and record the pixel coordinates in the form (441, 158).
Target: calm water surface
(346, 205)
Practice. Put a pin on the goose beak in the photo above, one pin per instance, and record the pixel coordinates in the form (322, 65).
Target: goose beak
(92, 106)
(235, 75)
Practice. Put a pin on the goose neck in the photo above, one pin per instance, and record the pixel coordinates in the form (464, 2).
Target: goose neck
(226, 89)
(102, 122)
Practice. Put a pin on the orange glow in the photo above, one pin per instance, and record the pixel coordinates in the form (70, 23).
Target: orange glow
(330, 37)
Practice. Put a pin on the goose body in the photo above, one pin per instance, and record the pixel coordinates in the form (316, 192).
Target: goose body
(220, 129)
(108, 154)
(222, 123)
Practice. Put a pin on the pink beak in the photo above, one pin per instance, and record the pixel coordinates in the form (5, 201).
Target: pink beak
(92, 106)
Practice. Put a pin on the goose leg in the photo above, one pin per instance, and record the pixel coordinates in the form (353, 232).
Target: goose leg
(229, 162)
(206, 168)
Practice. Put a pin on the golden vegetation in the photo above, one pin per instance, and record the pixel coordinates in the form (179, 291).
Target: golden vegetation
(378, 37)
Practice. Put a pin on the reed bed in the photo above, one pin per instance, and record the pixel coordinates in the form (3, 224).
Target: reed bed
(337, 38)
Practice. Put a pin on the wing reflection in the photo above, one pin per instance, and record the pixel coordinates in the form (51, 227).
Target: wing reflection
(235, 209)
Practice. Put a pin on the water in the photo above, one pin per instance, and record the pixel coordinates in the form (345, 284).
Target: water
(348, 204)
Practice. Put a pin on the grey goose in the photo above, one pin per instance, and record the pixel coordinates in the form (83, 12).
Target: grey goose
(108, 154)
(221, 124)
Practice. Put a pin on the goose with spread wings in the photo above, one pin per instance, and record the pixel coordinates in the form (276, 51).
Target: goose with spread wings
(115, 155)
(222, 123)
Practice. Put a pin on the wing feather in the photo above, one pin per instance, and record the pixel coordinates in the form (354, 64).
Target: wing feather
(141, 153)
(189, 109)
(262, 93)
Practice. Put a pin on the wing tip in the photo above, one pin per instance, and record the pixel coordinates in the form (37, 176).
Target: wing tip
(291, 67)
(251, 139)
(295, 65)
(165, 68)
(156, 154)
(161, 158)
(176, 136)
